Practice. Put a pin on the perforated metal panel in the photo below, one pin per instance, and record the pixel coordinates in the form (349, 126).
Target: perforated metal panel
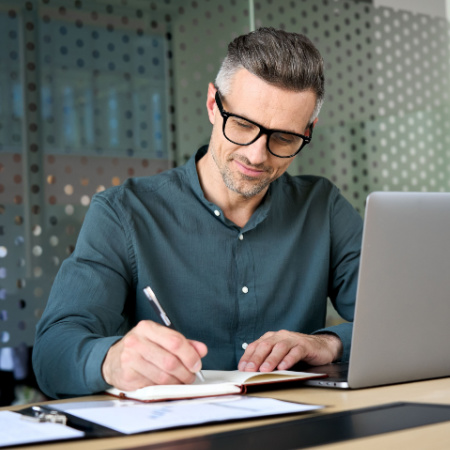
(384, 125)
(85, 104)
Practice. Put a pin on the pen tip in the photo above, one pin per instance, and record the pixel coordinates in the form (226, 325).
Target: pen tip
(200, 377)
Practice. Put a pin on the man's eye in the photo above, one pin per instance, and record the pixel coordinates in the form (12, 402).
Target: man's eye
(284, 138)
(244, 124)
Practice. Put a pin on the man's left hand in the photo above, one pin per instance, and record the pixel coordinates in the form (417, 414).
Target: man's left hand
(282, 349)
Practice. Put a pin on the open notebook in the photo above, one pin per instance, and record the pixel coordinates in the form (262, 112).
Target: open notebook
(217, 382)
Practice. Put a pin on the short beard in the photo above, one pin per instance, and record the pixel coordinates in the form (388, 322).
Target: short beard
(230, 183)
(251, 191)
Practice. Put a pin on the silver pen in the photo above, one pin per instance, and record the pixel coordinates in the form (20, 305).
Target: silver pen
(165, 318)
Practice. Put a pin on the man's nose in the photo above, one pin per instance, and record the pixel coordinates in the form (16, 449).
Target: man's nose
(257, 152)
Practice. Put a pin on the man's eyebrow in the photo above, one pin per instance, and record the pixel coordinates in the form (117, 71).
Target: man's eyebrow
(260, 125)
(222, 100)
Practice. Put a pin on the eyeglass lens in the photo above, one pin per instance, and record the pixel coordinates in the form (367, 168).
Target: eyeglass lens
(242, 132)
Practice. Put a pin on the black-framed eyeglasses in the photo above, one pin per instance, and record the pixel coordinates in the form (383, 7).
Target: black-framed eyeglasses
(242, 131)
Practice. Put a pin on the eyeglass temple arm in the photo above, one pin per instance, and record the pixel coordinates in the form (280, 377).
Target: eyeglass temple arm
(310, 128)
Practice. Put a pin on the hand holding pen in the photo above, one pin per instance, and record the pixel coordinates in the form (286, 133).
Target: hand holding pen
(151, 354)
(164, 317)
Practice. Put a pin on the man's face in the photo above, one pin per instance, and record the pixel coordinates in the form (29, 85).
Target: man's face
(248, 170)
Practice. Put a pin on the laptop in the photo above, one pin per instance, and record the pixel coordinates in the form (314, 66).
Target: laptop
(401, 329)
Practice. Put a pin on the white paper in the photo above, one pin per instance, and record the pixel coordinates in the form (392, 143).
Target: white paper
(239, 377)
(135, 417)
(15, 430)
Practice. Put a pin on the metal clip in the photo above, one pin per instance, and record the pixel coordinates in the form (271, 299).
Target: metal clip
(43, 415)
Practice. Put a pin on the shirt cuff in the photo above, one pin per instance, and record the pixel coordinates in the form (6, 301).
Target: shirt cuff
(344, 332)
(93, 369)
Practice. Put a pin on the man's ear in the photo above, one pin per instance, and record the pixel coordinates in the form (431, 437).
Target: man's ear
(211, 102)
(312, 126)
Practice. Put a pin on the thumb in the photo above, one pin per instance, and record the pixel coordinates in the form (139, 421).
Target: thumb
(200, 347)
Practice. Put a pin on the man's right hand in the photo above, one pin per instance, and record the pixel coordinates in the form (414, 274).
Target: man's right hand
(152, 354)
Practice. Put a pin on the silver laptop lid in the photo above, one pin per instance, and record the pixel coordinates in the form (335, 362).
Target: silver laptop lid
(402, 319)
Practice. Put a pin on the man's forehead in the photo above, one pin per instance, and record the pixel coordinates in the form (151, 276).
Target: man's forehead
(270, 105)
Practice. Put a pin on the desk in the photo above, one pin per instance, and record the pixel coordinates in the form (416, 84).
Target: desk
(431, 391)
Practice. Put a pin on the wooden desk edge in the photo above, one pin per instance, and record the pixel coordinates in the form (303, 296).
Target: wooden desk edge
(430, 391)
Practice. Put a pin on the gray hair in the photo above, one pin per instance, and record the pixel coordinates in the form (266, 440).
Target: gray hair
(286, 60)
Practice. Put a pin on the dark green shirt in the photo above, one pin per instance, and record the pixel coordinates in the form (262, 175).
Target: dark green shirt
(220, 284)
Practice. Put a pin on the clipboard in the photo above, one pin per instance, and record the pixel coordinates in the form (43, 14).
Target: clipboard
(113, 418)
(42, 413)
(25, 427)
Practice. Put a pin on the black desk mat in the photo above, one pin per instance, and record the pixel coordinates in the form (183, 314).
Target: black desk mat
(317, 430)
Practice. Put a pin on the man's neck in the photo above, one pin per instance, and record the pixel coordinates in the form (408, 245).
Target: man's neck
(234, 206)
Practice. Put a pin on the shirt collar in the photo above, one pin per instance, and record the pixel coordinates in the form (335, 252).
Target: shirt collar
(258, 216)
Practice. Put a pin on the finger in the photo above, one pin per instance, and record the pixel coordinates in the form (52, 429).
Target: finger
(255, 354)
(175, 344)
(314, 350)
(200, 348)
(246, 357)
(281, 351)
(144, 373)
(295, 355)
(165, 368)
(293, 348)
(146, 359)
(126, 367)
(148, 354)
(246, 363)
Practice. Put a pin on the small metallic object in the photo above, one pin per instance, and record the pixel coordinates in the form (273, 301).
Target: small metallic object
(165, 318)
(40, 414)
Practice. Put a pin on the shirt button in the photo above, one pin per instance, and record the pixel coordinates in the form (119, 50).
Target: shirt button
(217, 212)
(245, 289)
(241, 236)
(244, 345)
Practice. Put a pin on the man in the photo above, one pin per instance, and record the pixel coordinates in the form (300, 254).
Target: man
(241, 255)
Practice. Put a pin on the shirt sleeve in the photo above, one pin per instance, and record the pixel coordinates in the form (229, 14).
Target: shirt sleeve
(346, 235)
(86, 311)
